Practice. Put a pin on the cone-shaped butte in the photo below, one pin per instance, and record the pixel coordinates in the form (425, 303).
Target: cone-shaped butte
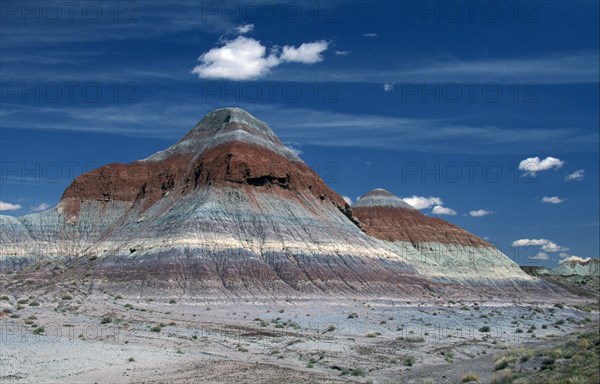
(436, 248)
(227, 210)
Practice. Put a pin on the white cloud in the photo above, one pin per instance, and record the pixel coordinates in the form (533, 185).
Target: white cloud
(421, 202)
(576, 176)
(307, 53)
(532, 165)
(526, 242)
(552, 200)
(243, 29)
(240, 59)
(295, 151)
(341, 53)
(540, 256)
(547, 245)
(347, 199)
(293, 147)
(575, 258)
(39, 208)
(370, 35)
(387, 87)
(565, 255)
(439, 210)
(8, 206)
(553, 247)
(245, 58)
(480, 213)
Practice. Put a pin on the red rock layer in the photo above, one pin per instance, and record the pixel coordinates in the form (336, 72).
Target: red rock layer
(233, 164)
(399, 224)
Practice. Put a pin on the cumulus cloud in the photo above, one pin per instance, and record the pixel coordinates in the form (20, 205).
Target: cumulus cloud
(4, 206)
(547, 245)
(526, 242)
(576, 176)
(245, 58)
(565, 255)
(341, 53)
(240, 59)
(575, 259)
(533, 165)
(439, 210)
(39, 208)
(307, 53)
(347, 199)
(480, 213)
(421, 202)
(552, 200)
(540, 256)
(370, 35)
(387, 87)
(243, 29)
(553, 247)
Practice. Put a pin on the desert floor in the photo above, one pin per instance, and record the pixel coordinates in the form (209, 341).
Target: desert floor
(105, 338)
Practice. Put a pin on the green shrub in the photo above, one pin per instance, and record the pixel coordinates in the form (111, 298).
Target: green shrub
(470, 377)
(503, 377)
(501, 364)
(547, 363)
(409, 361)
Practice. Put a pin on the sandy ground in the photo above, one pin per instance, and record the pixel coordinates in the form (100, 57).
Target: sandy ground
(104, 338)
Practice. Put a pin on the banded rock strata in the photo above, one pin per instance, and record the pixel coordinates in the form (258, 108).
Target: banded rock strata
(229, 210)
(436, 248)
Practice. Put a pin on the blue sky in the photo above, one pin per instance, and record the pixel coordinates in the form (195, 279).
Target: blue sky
(481, 113)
